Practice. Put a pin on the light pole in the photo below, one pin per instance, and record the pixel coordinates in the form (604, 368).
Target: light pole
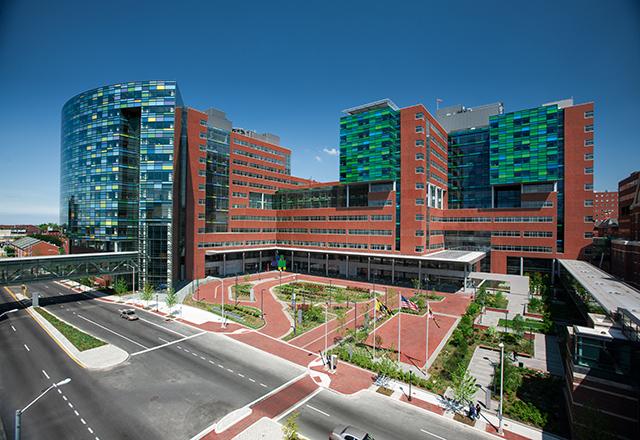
(326, 328)
(262, 303)
(223, 325)
(7, 312)
(501, 386)
(21, 411)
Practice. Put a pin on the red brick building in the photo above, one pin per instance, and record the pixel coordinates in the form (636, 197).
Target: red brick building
(605, 205)
(32, 247)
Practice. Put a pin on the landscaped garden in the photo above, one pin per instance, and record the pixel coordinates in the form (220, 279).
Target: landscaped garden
(241, 292)
(246, 315)
(316, 293)
(312, 316)
(493, 299)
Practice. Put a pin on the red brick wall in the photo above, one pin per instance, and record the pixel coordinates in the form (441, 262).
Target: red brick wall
(575, 180)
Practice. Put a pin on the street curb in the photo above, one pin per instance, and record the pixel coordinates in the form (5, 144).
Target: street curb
(76, 355)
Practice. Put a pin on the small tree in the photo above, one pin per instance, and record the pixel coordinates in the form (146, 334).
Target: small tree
(247, 278)
(341, 318)
(120, 287)
(464, 387)
(491, 333)
(147, 292)
(512, 377)
(290, 427)
(415, 282)
(171, 298)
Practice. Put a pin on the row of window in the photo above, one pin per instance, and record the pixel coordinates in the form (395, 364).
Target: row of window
(259, 147)
(492, 220)
(265, 177)
(509, 247)
(259, 157)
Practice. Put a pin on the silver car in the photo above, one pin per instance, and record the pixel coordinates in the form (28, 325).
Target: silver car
(348, 432)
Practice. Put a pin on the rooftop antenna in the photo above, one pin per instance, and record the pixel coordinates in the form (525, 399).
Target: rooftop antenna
(438, 101)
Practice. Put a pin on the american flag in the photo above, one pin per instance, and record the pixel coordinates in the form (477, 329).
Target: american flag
(408, 304)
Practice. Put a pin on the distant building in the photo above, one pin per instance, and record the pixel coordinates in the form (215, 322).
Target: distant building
(605, 205)
(625, 251)
(33, 247)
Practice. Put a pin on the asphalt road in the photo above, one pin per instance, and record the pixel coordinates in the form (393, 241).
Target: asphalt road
(381, 417)
(172, 391)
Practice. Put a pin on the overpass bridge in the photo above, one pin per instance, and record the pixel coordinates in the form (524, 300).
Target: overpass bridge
(59, 267)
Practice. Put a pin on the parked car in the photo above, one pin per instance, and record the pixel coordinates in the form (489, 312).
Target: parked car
(348, 432)
(128, 314)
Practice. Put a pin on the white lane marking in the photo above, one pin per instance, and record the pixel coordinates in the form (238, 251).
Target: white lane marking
(229, 370)
(202, 357)
(84, 423)
(212, 363)
(240, 374)
(178, 347)
(186, 351)
(317, 410)
(263, 385)
(115, 333)
(60, 392)
(77, 302)
(45, 374)
(164, 340)
(27, 347)
(70, 405)
(220, 365)
(13, 328)
(252, 380)
(169, 343)
(432, 434)
(64, 398)
(195, 354)
(162, 327)
(76, 413)
(90, 430)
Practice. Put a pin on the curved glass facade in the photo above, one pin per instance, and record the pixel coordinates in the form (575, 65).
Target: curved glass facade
(116, 171)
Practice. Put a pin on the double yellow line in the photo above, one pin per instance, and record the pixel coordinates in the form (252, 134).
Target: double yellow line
(73, 358)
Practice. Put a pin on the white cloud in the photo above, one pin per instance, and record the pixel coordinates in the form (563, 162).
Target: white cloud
(318, 158)
(331, 151)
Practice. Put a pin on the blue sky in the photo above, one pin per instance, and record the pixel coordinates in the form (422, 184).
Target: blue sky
(291, 67)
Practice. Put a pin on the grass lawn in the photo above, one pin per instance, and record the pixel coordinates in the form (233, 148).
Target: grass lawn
(312, 317)
(81, 340)
(245, 315)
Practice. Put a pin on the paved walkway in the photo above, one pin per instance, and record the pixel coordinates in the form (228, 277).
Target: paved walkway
(547, 356)
(481, 367)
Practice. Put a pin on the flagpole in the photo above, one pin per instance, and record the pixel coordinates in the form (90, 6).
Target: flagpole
(399, 310)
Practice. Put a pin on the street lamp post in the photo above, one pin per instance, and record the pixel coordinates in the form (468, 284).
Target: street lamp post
(326, 328)
(262, 303)
(19, 412)
(501, 386)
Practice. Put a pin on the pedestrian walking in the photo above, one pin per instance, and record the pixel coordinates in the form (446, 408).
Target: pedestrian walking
(478, 409)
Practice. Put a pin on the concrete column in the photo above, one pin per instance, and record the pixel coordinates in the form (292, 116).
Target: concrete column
(368, 268)
(259, 261)
(347, 201)
(308, 262)
(420, 271)
(224, 265)
(347, 271)
(393, 270)
(292, 261)
(465, 276)
(243, 263)
(553, 270)
(521, 266)
(326, 266)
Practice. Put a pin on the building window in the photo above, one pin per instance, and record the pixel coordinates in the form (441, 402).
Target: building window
(588, 170)
(588, 186)
(420, 129)
(588, 235)
(419, 217)
(419, 233)
(419, 249)
(588, 219)
(419, 185)
(588, 156)
(420, 115)
(419, 202)
(203, 122)
(588, 203)
(588, 142)
(588, 128)
(203, 135)
(420, 143)
(420, 170)
(588, 114)
(419, 156)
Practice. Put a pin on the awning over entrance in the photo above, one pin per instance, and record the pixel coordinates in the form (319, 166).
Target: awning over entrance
(518, 284)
